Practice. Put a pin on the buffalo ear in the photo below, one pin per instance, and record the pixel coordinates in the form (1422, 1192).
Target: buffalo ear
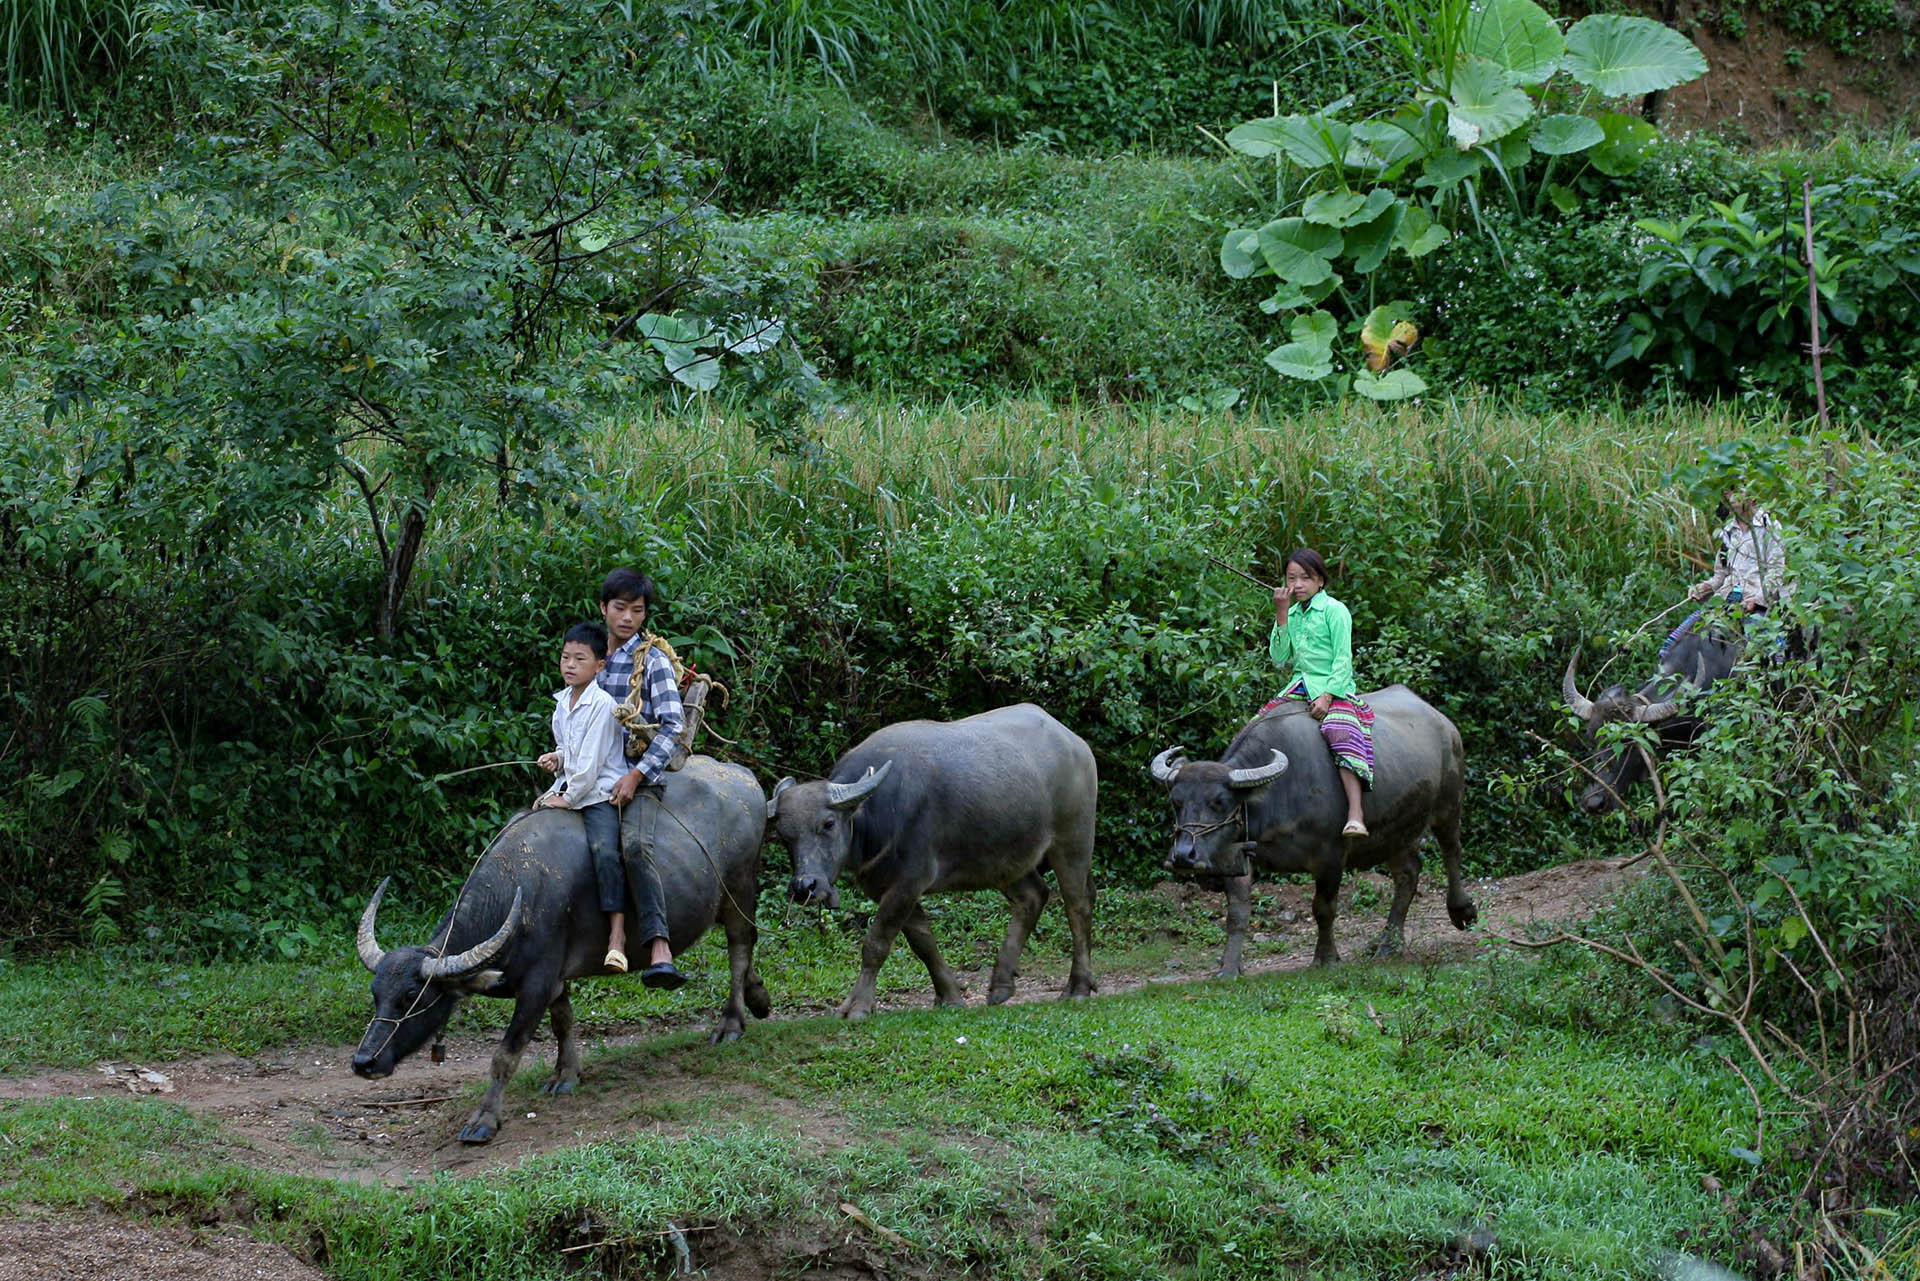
(483, 980)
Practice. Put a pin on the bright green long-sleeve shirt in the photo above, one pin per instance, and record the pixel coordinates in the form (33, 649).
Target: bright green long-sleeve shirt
(1318, 642)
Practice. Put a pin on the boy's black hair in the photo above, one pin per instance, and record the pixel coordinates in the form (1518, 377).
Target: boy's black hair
(627, 584)
(1309, 560)
(592, 635)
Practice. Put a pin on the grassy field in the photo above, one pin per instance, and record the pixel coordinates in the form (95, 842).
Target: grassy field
(1369, 1121)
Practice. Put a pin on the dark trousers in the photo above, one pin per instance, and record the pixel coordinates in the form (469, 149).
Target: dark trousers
(636, 847)
(603, 847)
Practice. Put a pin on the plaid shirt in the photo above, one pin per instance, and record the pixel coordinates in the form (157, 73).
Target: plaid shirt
(659, 704)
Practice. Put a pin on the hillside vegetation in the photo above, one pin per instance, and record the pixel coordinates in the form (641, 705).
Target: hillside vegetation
(934, 357)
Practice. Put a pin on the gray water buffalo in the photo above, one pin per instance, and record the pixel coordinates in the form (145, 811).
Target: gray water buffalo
(1696, 660)
(1275, 796)
(924, 806)
(528, 920)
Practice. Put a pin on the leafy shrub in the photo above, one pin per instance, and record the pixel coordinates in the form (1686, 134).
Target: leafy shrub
(55, 47)
(955, 306)
(1721, 301)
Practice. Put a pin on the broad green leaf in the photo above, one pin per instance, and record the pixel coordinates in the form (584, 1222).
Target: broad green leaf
(1300, 252)
(1418, 234)
(754, 336)
(1240, 253)
(1449, 169)
(1395, 384)
(1315, 329)
(1519, 36)
(1484, 105)
(1564, 135)
(1290, 297)
(1408, 134)
(1564, 198)
(1316, 141)
(1369, 243)
(1625, 147)
(1301, 360)
(1514, 152)
(1331, 208)
(690, 366)
(1625, 57)
(670, 329)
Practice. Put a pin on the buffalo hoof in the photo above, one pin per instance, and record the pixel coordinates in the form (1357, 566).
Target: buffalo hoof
(951, 1002)
(757, 1001)
(478, 1132)
(1228, 973)
(723, 1034)
(1079, 990)
(848, 1010)
(999, 995)
(1463, 916)
(560, 1085)
(1321, 960)
(1384, 950)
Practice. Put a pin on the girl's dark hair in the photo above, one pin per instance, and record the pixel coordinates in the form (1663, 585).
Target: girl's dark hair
(1309, 560)
(627, 584)
(592, 635)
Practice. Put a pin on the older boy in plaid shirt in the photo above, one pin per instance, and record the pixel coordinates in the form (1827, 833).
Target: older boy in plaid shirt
(625, 598)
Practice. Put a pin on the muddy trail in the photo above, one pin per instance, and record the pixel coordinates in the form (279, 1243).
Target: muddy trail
(299, 1110)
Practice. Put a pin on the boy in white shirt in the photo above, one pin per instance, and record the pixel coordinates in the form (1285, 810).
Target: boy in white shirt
(589, 758)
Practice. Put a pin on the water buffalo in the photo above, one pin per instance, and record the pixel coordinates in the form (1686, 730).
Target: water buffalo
(1697, 659)
(1275, 796)
(924, 806)
(528, 920)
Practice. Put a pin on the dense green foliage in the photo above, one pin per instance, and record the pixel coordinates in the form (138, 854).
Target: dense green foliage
(920, 565)
(1116, 1138)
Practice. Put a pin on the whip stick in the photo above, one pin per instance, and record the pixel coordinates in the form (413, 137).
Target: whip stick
(1241, 572)
(472, 769)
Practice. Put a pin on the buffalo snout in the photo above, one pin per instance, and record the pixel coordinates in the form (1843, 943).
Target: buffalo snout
(809, 890)
(368, 1066)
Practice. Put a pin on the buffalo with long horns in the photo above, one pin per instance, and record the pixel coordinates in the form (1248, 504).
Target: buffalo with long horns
(528, 920)
(1275, 798)
(921, 807)
(1694, 662)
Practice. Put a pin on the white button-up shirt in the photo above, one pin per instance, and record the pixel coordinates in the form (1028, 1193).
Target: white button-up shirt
(589, 742)
(1754, 559)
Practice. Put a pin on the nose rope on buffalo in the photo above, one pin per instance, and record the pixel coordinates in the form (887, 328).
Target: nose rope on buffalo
(440, 949)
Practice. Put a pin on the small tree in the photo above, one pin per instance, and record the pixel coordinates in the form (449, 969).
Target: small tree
(412, 243)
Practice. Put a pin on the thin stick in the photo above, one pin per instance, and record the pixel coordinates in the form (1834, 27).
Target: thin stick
(1241, 572)
(1813, 325)
(411, 1103)
(474, 769)
(637, 1236)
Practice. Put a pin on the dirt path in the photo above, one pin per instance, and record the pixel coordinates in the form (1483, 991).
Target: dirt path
(299, 1110)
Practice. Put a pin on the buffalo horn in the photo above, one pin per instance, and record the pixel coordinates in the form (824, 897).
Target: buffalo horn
(773, 802)
(844, 796)
(1581, 705)
(1653, 713)
(1255, 775)
(368, 946)
(1166, 766)
(1700, 668)
(453, 967)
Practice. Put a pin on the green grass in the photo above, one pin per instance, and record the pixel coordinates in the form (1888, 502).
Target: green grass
(1350, 1123)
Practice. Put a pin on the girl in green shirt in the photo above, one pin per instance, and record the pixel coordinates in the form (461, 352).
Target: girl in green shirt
(1314, 632)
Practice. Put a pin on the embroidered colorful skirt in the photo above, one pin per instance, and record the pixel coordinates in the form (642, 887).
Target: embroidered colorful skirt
(1347, 729)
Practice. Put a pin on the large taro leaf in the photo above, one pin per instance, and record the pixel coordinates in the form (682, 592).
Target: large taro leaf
(1449, 169)
(1625, 57)
(1418, 233)
(1395, 384)
(1291, 297)
(1345, 208)
(1483, 105)
(1301, 360)
(1300, 252)
(1564, 135)
(1388, 144)
(1316, 328)
(1240, 253)
(1368, 243)
(1624, 149)
(1519, 36)
(1316, 141)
